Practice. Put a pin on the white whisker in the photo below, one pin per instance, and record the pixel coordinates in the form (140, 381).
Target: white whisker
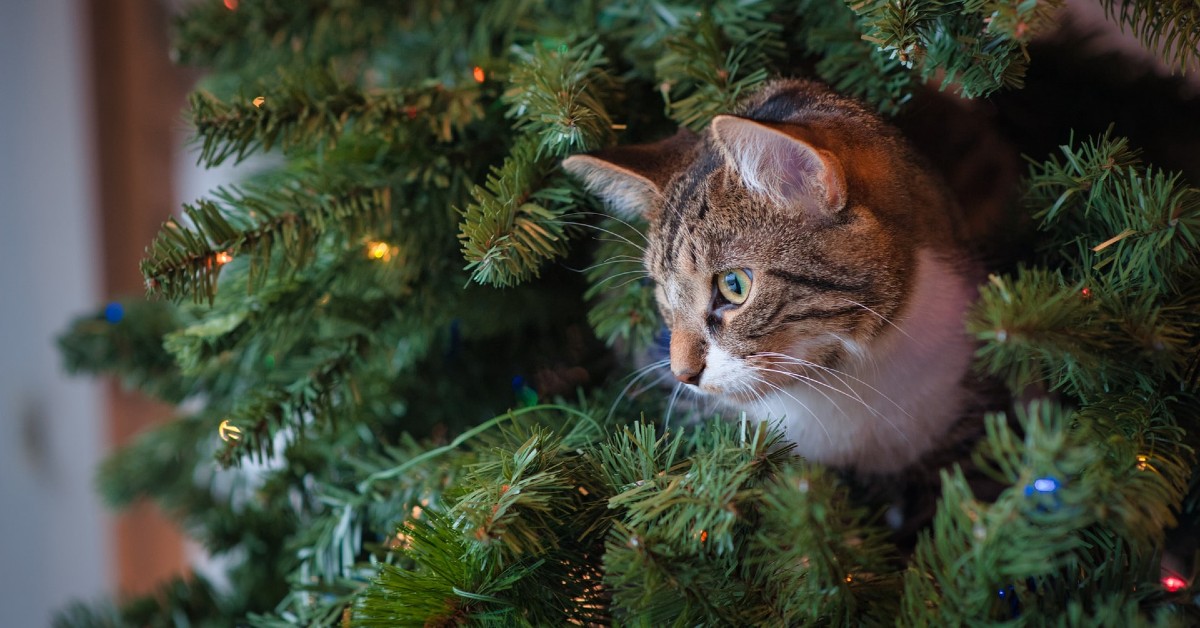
(804, 378)
(610, 232)
(616, 259)
(835, 372)
(794, 360)
(671, 406)
(644, 276)
(781, 391)
(633, 379)
(620, 220)
(641, 274)
(877, 413)
(881, 316)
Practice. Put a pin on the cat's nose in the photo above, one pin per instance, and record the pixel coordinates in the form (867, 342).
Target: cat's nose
(689, 376)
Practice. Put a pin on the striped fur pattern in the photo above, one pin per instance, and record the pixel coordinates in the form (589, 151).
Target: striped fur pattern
(851, 330)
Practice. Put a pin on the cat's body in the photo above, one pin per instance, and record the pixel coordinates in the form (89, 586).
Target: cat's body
(810, 267)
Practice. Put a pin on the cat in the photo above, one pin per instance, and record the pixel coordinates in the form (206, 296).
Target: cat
(811, 267)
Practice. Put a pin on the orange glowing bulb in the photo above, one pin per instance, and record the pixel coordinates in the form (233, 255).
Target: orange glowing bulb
(223, 258)
(231, 5)
(479, 76)
(400, 541)
(379, 250)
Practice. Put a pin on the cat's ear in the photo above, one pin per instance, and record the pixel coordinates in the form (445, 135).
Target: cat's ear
(781, 166)
(631, 180)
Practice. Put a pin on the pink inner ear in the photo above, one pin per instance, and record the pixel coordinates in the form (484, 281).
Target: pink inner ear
(801, 174)
(800, 171)
(780, 166)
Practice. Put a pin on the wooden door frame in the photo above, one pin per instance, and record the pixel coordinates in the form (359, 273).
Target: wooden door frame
(137, 95)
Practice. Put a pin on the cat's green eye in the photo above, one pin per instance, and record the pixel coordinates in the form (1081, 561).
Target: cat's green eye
(734, 284)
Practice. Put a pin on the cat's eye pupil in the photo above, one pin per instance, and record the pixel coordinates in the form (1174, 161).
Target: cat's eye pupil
(733, 283)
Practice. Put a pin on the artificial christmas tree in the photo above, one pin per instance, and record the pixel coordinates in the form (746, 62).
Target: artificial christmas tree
(421, 333)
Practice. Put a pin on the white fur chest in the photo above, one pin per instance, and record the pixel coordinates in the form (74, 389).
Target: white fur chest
(894, 399)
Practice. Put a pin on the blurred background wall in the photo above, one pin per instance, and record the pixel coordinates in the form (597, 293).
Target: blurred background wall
(54, 535)
(90, 128)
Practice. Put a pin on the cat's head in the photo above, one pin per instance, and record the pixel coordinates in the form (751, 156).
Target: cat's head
(782, 239)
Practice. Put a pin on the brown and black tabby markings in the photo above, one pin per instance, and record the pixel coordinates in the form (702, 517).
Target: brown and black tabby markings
(811, 266)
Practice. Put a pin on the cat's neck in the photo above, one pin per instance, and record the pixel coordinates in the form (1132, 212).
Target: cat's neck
(894, 398)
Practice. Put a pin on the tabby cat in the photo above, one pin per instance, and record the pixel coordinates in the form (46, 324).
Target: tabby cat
(811, 267)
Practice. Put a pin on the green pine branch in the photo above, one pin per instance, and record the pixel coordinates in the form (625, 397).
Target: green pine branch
(313, 108)
(1037, 328)
(668, 573)
(1144, 467)
(516, 498)
(181, 600)
(1170, 27)
(1093, 490)
(975, 47)
(705, 497)
(706, 526)
(275, 225)
(324, 392)
(225, 36)
(517, 221)
(555, 95)
(280, 337)
(819, 557)
(125, 339)
(641, 27)
(1136, 227)
(974, 566)
(336, 544)
(713, 60)
(450, 586)
(497, 524)
(310, 606)
(737, 533)
(623, 312)
(832, 33)
(1081, 339)
(1017, 20)
(1126, 316)
(382, 42)
(521, 495)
